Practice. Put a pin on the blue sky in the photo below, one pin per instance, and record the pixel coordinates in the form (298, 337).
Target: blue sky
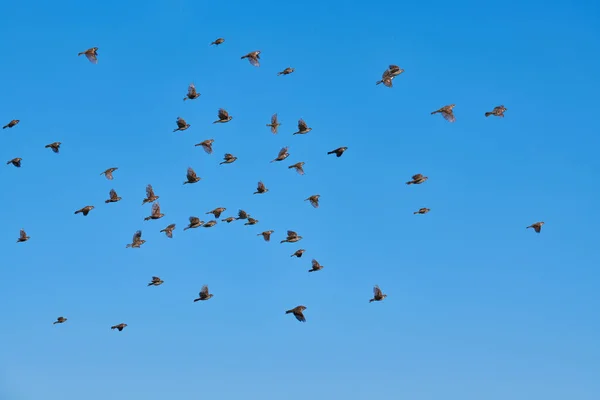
(477, 307)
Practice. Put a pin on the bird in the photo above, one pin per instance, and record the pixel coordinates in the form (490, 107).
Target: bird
(315, 266)
(210, 224)
(386, 79)
(195, 222)
(242, 214)
(298, 253)
(169, 230)
(218, 42)
(423, 210)
(299, 166)
(228, 159)
(109, 173)
(192, 94)
(59, 320)
(447, 112)
(297, 311)
(229, 219)
(339, 151)
(266, 235)
(223, 116)
(85, 210)
(283, 154)
(137, 241)
(303, 129)
(537, 226)
(217, 211)
(113, 197)
(203, 295)
(417, 179)
(286, 71)
(91, 54)
(251, 221)
(206, 145)
(119, 327)
(395, 70)
(55, 146)
(150, 196)
(253, 58)
(274, 124)
(156, 281)
(11, 123)
(155, 214)
(261, 188)
(292, 237)
(181, 125)
(498, 111)
(191, 176)
(15, 161)
(22, 236)
(377, 294)
(314, 200)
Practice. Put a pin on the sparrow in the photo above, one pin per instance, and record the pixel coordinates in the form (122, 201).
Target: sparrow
(229, 158)
(242, 214)
(423, 210)
(283, 154)
(191, 176)
(217, 211)
(314, 200)
(195, 222)
(15, 161)
(91, 54)
(251, 221)
(191, 94)
(497, 112)
(156, 281)
(302, 128)
(266, 235)
(229, 219)
(155, 214)
(338, 152)
(315, 266)
(286, 71)
(59, 320)
(299, 166)
(298, 253)
(297, 311)
(218, 42)
(11, 123)
(223, 116)
(210, 224)
(292, 237)
(537, 226)
(377, 294)
(417, 179)
(137, 241)
(54, 146)
(261, 188)
(206, 145)
(204, 295)
(150, 196)
(113, 197)
(120, 327)
(22, 236)
(181, 125)
(109, 173)
(274, 124)
(253, 57)
(85, 210)
(169, 230)
(446, 112)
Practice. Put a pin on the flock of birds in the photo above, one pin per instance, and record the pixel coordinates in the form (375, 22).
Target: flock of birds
(387, 77)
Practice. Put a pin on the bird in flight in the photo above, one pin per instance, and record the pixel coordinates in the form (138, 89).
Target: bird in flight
(204, 295)
(377, 294)
(15, 161)
(297, 311)
(417, 179)
(91, 54)
(169, 230)
(137, 241)
(191, 176)
(537, 226)
(283, 154)
(314, 200)
(22, 236)
(59, 320)
(85, 210)
(266, 235)
(119, 327)
(261, 188)
(298, 253)
(447, 112)
(338, 152)
(292, 237)
(497, 112)
(55, 146)
(299, 166)
(181, 125)
(274, 124)
(286, 71)
(156, 281)
(217, 211)
(315, 266)
(303, 129)
(228, 159)
(206, 145)
(253, 58)
(11, 124)
(223, 116)
(423, 210)
(218, 42)
(192, 94)
(195, 222)
(109, 173)
(155, 214)
(150, 196)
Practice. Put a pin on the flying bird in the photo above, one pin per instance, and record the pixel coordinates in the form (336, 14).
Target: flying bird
(11, 124)
(59, 320)
(85, 210)
(274, 124)
(423, 210)
(283, 154)
(417, 179)
(155, 214)
(537, 226)
(15, 161)
(292, 237)
(156, 281)
(314, 200)
(113, 197)
(223, 116)
(210, 224)
(389, 75)
(195, 222)
(315, 266)
(218, 42)
(242, 214)
(137, 241)
(251, 221)
(228, 159)
(169, 230)
(206, 145)
(261, 188)
(181, 125)
(338, 152)
(298, 253)
(253, 58)
(266, 235)
(286, 71)
(297, 311)
(299, 166)
(447, 112)
(54, 146)
(377, 294)
(109, 173)
(150, 196)
(191, 176)
(203, 295)
(217, 211)
(303, 129)
(229, 219)
(497, 112)
(91, 54)
(22, 236)
(119, 327)
(192, 94)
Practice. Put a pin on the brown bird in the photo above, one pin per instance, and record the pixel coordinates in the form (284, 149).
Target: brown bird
(292, 237)
(266, 235)
(251, 221)
(423, 210)
(181, 125)
(218, 42)
(417, 179)
(537, 226)
(169, 230)
(217, 211)
(314, 200)
(192, 94)
(155, 214)
(386, 79)
(229, 219)
(156, 281)
(229, 158)
(261, 188)
(210, 224)
(22, 236)
(286, 71)
(377, 294)
(497, 112)
(191, 176)
(109, 173)
(223, 116)
(299, 166)
(120, 327)
(15, 161)
(137, 241)
(206, 145)
(91, 54)
(283, 154)
(204, 295)
(11, 123)
(253, 57)
(303, 129)
(315, 266)
(242, 214)
(297, 311)
(113, 197)
(59, 320)
(195, 222)
(274, 124)
(446, 112)
(339, 151)
(150, 196)
(85, 210)
(298, 253)
(54, 146)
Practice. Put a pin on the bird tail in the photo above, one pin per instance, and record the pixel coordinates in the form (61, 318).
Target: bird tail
(77, 212)
(372, 300)
(311, 270)
(81, 53)
(150, 284)
(175, 130)
(434, 112)
(528, 227)
(283, 241)
(409, 182)
(55, 322)
(5, 126)
(46, 146)
(289, 311)
(195, 300)
(378, 82)
(416, 212)
(113, 327)
(487, 114)
(185, 98)
(243, 57)
(330, 152)
(147, 218)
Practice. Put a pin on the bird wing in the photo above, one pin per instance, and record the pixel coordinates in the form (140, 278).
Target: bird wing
(194, 220)
(137, 236)
(23, 234)
(204, 291)
(302, 125)
(171, 227)
(207, 147)
(191, 174)
(314, 201)
(155, 209)
(253, 58)
(223, 114)
(113, 194)
(282, 152)
(261, 186)
(386, 75)
(448, 116)
(291, 234)
(228, 156)
(91, 55)
(376, 292)
(149, 192)
(181, 122)
(192, 90)
(417, 176)
(274, 119)
(315, 264)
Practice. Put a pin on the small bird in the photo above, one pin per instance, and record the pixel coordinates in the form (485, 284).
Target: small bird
(229, 158)
(11, 123)
(169, 230)
(191, 176)
(286, 71)
(537, 226)
(266, 235)
(192, 94)
(242, 214)
(218, 42)
(423, 210)
(292, 237)
(120, 327)
(223, 116)
(109, 173)
(59, 320)
(283, 154)
(195, 222)
(497, 112)
(339, 151)
(91, 54)
(150, 196)
(303, 129)
(204, 295)
(446, 112)
(206, 145)
(217, 211)
(155, 214)
(274, 124)
(253, 57)
(54, 146)
(156, 281)
(251, 221)
(113, 197)
(85, 210)
(15, 161)
(297, 311)
(314, 200)
(315, 266)
(386, 79)
(377, 294)
(261, 188)
(229, 219)
(299, 166)
(181, 125)
(298, 253)
(417, 179)
(22, 236)
(210, 224)
(137, 241)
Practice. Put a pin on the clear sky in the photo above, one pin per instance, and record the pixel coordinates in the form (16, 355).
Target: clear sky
(478, 307)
